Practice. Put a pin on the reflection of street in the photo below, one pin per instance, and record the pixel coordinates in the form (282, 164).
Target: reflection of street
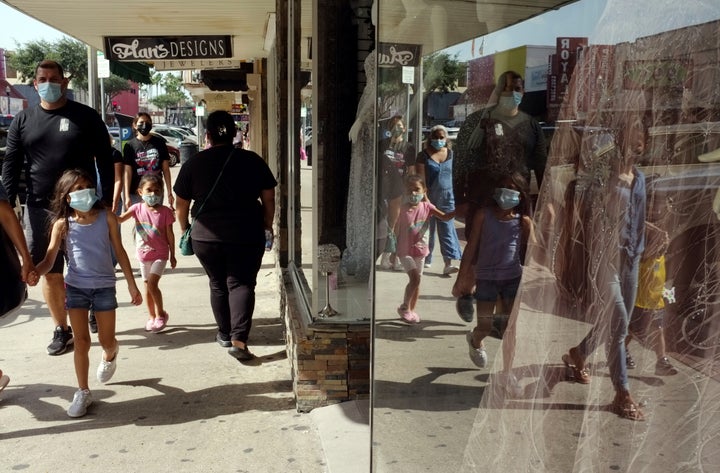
(424, 379)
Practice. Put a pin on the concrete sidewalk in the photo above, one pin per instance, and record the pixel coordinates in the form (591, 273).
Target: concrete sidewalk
(178, 401)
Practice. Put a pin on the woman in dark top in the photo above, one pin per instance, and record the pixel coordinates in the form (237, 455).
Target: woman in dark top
(229, 233)
(143, 154)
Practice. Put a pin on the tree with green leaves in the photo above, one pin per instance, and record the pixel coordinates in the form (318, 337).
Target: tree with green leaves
(442, 72)
(113, 86)
(174, 96)
(70, 53)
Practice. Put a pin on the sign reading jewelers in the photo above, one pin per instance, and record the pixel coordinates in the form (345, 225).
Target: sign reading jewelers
(153, 48)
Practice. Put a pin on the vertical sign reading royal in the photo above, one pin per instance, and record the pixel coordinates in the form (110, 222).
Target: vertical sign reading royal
(153, 48)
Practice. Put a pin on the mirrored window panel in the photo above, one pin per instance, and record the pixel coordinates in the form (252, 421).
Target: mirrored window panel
(548, 229)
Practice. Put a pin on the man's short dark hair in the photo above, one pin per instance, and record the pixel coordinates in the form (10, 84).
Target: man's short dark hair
(50, 64)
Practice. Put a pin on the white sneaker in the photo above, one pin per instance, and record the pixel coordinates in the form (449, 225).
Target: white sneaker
(509, 383)
(450, 269)
(398, 266)
(81, 401)
(385, 261)
(477, 355)
(106, 369)
(428, 265)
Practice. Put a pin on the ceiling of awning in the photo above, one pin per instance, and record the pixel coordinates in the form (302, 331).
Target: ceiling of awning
(91, 20)
(406, 21)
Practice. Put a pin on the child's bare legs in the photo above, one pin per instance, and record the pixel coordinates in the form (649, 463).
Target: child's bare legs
(508, 338)
(81, 334)
(656, 339)
(106, 334)
(485, 312)
(412, 290)
(153, 295)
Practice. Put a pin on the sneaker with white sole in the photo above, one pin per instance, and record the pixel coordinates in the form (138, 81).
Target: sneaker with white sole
(509, 383)
(385, 261)
(397, 266)
(160, 322)
(61, 341)
(477, 355)
(106, 369)
(81, 401)
(450, 269)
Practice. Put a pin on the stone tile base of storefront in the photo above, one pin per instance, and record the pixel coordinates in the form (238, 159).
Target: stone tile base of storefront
(330, 362)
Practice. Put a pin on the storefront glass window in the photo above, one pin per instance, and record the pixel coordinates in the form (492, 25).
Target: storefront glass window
(577, 146)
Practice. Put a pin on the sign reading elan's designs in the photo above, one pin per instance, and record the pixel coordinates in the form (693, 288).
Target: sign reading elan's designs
(152, 48)
(395, 54)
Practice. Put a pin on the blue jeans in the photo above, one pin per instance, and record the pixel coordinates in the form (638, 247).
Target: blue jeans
(618, 289)
(447, 235)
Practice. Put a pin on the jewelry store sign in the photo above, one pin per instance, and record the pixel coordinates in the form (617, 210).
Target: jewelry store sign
(167, 48)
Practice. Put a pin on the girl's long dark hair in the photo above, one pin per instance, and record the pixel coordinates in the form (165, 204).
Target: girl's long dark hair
(59, 205)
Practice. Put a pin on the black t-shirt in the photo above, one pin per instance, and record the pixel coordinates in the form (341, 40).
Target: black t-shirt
(51, 142)
(233, 213)
(401, 154)
(144, 157)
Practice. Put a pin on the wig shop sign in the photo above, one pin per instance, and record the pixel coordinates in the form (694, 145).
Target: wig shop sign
(154, 48)
(394, 54)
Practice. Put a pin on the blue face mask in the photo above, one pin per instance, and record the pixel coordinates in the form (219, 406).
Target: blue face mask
(438, 144)
(152, 199)
(83, 200)
(50, 92)
(517, 97)
(506, 198)
(415, 198)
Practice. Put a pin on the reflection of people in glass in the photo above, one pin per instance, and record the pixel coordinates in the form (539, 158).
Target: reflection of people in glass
(609, 196)
(401, 155)
(500, 230)
(650, 304)
(412, 240)
(499, 140)
(435, 164)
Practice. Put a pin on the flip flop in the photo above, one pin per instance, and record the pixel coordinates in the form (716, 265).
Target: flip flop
(580, 376)
(627, 410)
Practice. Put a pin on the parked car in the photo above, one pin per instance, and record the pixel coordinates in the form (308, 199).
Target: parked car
(173, 146)
(174, 133)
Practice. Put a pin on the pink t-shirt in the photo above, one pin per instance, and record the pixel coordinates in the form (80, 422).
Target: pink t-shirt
(151, 226)
(412, 230)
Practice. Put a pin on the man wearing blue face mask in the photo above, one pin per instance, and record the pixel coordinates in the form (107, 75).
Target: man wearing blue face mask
(46, 140)
(498, 140)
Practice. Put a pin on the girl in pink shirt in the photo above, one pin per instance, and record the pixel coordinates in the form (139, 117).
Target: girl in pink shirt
(154, 243)
(411, 229)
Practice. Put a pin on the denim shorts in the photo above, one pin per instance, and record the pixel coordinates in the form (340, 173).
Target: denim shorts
(488, 290)
(99, 300)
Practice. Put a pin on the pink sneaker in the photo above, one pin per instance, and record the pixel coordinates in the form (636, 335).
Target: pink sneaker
(415, 317)
(160, 322)
(405, 314)
(149, 324)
